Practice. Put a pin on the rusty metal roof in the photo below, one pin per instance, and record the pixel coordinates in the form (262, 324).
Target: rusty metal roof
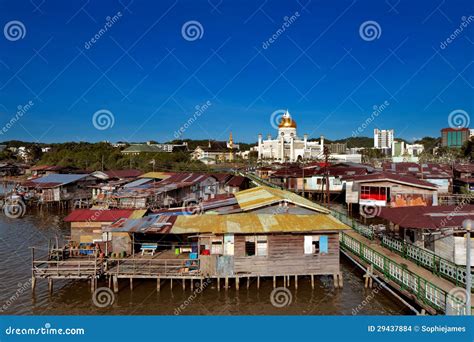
(263, 196)
(255, 223)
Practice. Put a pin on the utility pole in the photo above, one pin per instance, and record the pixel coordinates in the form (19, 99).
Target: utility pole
(468, 226)
(326, 161)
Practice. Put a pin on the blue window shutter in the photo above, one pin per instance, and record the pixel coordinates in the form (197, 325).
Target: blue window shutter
(323, 244)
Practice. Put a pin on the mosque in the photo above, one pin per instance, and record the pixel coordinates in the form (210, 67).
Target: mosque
(287, 146)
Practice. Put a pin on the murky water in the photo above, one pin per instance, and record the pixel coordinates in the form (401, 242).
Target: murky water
(74, 297)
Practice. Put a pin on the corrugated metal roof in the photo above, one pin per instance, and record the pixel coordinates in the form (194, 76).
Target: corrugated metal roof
(137, 182)
(255, 223)
(263, 196)
(62, 179)
(223, 224)
(156, 175)
(83, 215)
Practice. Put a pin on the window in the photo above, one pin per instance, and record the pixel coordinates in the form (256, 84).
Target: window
(262, 246)
(256, 245)
(229, 244)
(216, 246)
(249, 246)
(315, 244)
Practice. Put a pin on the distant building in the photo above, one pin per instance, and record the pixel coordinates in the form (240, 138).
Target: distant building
(400, 148)
(287, 146)
(454, 137)
(216, 151)
(338, 148)
(153, 148)
(383, 138)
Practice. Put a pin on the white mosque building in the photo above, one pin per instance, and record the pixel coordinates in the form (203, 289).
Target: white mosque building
(287, 146)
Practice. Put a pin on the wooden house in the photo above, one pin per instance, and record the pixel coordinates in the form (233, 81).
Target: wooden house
(385, 189)
(238, 245)
(438, 229)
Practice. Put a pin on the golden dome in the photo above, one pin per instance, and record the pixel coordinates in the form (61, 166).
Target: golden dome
(287, 121)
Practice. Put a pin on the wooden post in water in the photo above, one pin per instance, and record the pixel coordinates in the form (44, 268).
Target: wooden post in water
(192, 285)
(171, 283)
(33, 278)
(218, 284)
(115, 281)
(50, 285)
(341, 283)
(226, 283)
(258, 282)
(131, 284)
(274, 282)
(158, 284)
(184, 284)
(248, 282)
(237, 283)
(312, 281)
(296, 282)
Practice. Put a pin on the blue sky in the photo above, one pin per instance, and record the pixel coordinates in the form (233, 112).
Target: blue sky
(150, 78)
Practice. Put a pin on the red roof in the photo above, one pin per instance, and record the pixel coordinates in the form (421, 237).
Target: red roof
(123, 173)
(391, 177)
(236, 181)
(83, 215)
(430, 217)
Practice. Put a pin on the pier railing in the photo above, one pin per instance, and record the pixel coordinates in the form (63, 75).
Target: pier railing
(424, 290)
(422, 257)
(137, 267)
(73, 269)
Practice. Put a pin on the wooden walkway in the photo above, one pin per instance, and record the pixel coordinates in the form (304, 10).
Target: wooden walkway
(442, 283)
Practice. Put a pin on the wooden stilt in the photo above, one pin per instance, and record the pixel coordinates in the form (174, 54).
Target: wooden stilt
(184, 284)
(218, 284)
(274, 282)
(115, 282)
(131, 284)
(289, 278)
(226, 285)
(158, 284)
(312, 281)
(171, 284)
(248, 282)
(202, 279)
(334, 277)
(296, 282)
(237, 279)
(341, 283)
(258, 282)
(33, 283)
(50, 285)
(284, 281)
(110, 282)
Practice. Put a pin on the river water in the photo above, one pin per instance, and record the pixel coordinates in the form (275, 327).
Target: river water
(74, 297)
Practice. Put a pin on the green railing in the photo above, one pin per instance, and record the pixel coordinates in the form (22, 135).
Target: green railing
(259, 180)
(422, 257)
(425, 291)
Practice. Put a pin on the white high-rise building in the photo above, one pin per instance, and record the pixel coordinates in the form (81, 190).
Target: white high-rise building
(383, 138)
